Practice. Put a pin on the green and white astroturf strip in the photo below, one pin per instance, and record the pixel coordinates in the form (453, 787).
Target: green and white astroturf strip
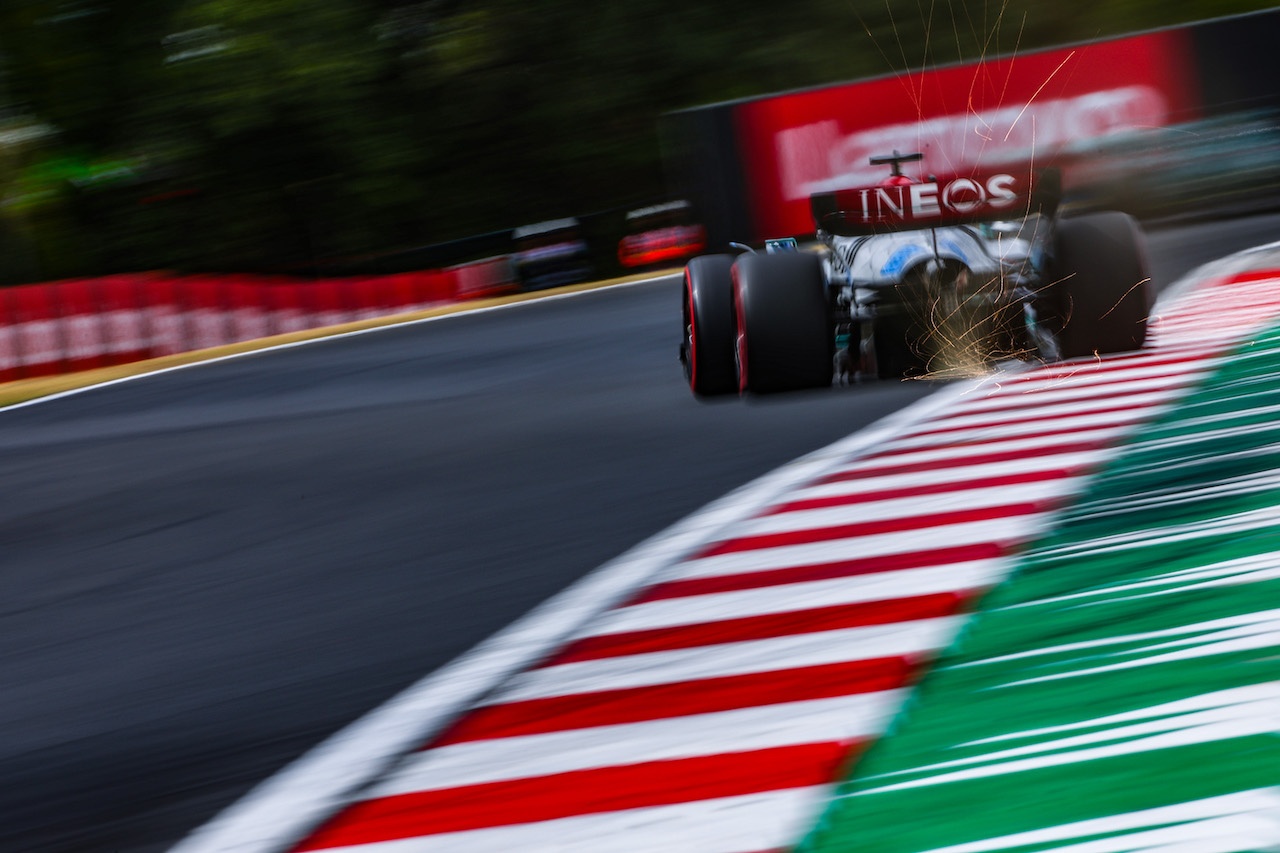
(1121, 691)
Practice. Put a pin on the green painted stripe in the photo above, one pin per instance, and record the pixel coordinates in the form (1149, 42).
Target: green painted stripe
(1121, 692)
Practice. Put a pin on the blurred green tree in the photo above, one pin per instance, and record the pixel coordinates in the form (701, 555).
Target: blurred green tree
(241, 134)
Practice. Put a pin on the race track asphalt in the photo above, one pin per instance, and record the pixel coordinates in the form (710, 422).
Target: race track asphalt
(204, 573)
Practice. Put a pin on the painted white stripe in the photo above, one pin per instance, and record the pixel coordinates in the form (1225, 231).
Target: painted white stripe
(1120, 377)
(1248, 303)
(1050, 411)
(1003, 399)
(961, 452)
(942, 476)
(1040, 388)
(1210, 332)
(767, 821)
(829, 720)
(1207, 327)
(911, 507)
(1018, 528)
(1248, 306)
(1018, 427)
(882, 586)
(1072, 374)
(772, 655)
(1229, 334)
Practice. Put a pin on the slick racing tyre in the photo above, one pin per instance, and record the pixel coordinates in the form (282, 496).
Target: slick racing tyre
(707, 350)
(785, 336)
(1099, 290)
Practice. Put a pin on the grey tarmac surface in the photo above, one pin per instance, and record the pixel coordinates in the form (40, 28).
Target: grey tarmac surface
(206, 572)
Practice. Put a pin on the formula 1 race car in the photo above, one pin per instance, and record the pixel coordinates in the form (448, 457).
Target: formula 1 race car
(917, 278)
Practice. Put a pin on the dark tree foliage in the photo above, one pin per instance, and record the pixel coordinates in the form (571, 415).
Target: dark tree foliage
(241, 134)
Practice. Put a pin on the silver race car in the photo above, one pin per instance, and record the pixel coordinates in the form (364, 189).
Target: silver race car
(917, 278)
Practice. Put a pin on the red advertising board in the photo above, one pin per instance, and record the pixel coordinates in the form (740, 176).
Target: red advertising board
(996, 114)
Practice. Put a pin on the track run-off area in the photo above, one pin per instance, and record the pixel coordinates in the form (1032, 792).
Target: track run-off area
(704, 691)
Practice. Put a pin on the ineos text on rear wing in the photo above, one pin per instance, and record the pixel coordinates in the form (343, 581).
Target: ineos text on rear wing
(936, 203)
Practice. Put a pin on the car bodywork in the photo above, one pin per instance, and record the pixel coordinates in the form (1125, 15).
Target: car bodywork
(550, 254)
(660, 234)
(931, 277)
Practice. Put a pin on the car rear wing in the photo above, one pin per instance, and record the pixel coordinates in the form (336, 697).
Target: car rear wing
(936, 202)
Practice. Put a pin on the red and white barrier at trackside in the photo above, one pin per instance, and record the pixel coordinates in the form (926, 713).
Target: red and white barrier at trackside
(482, 279)
(68, 326)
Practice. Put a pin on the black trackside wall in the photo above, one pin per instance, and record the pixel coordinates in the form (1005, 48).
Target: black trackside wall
(1238, 60)
(700, 155)
(749, 166)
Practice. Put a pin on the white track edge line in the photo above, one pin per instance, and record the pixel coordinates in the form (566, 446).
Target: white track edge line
(281, 810)
(399, 324)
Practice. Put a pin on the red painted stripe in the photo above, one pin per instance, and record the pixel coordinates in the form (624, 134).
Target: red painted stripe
(930, 489)
(1229, 321)
(1102, 366)
(1260, 305)
(604, 789)
(1240, 308)
(1023, 401)
(1030, 395)
(978, 441)
(1030, 418)
(1071, 382)
(824, 571)
(863, 472)
(1251, 276)
(678, 699)
(762, 627)
(880, 526)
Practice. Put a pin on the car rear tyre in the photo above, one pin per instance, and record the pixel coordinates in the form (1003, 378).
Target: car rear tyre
(785, 336)
(894, 357)
(709, 326)
(1099, 292)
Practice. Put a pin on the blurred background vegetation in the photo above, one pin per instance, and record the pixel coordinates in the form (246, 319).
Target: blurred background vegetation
(284, 134)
